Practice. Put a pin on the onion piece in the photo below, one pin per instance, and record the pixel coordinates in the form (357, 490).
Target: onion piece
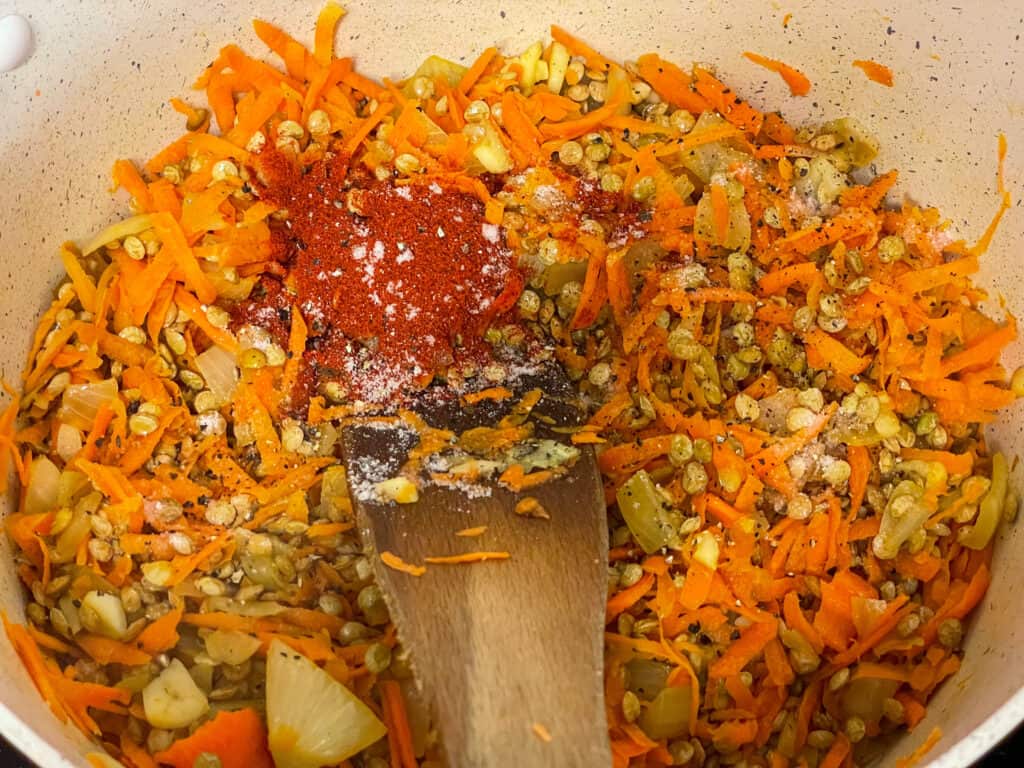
(218, 369)
(81, 402)
(230, 647)
(668, 716)
(118, 231)
(645, 511)
(706, 549)
(43, 486)
(69, 441)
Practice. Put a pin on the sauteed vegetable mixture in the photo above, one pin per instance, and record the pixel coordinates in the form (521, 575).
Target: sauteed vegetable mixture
(788, 378)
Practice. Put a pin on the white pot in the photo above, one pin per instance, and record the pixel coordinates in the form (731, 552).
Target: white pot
(96, 89)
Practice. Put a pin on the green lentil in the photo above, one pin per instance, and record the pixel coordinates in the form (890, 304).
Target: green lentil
(630, 706)
(680, 450)
(371, 603)
(855, 729)
(702, 450)
(644, 188)
(800, 507)
(891, 248)
(206, 760)
(682, 345)
(252, 358)
(803, 319)
(820, 739)
(407, 164)
(377, 658)
(134, 247)
(143, 423)
(631, 574)
(951, 633)
(600, 375)
(799, 418)
(741, 271)
(570, 153)
(893, 710)
(695, 478)
(926, 423)
(839, 679)
(746, 407)
(611, 182)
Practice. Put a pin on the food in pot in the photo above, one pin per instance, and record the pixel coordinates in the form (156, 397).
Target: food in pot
(787, 379)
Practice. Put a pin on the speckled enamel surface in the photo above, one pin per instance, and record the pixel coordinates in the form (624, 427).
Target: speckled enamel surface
(97, 85)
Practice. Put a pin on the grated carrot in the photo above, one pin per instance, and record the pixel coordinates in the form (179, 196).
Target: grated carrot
(671, 342)
(923, 749)
(541, 732)
(798, 83)
(467, 557)
(394, 562)
(878, 73)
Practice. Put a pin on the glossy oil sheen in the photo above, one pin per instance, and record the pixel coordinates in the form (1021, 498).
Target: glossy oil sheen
(97, 84)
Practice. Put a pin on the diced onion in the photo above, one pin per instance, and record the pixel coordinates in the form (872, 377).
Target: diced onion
(106, 615)
(706, 550)
(218, 369)
(491, 153)
(644, 510)
(43, 486)
(230, 647)
(990, 510)
(70, 486)
(69, 441)
(668, 716)
(119, 231)
(81, 402)
(558, 63)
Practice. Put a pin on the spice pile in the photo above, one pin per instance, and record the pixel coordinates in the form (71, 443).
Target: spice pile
(788, 382)
(386, 278)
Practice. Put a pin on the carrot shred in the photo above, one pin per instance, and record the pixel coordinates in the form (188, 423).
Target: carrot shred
(837, 753)
(577, 47)
(396, 563)
(137, 755)
(626, 598)
(397, 722)
(745, 649)
(798, 83)
(542, 733)
(237, 737)
(105, 651)
(323, 39)
(878, 73)
(491, 393)
(671, 83)
(923, 749)
(725, 101)
(467, 557)
(476, 70)
(161, 635)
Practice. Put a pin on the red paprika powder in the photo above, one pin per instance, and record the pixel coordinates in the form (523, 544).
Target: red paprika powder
(395, 282)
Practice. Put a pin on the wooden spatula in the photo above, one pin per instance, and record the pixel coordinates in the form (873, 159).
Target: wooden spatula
(508, 653)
